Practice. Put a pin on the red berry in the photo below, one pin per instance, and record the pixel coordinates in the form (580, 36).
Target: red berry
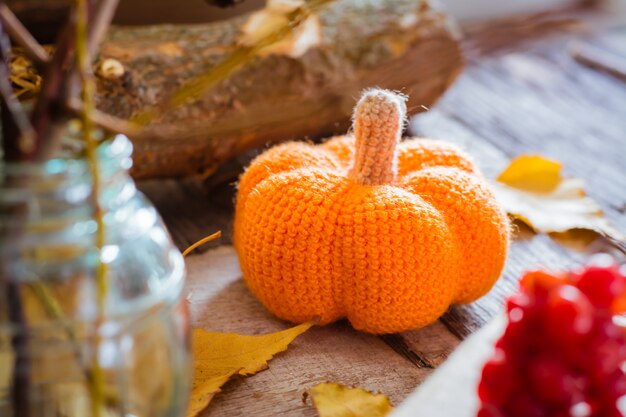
(524, 405)
(602, 285)
(613, 387)
(519, 307)
(497, 382)
(553, 382)
(521, 316)
(520, 301)
(569, 314)
(489, 410)
(514, 338)
(562, 354)
(607, 352)
(612, 410)
(539, 284)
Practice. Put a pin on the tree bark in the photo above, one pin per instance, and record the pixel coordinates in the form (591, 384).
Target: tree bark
(397, 44)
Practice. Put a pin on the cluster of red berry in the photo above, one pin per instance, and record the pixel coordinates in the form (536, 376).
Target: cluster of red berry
(563, 352)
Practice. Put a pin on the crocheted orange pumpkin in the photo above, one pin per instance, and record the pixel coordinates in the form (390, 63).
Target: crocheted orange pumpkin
(386, 234)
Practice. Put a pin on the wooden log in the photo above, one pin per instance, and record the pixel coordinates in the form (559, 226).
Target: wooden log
(399, 44)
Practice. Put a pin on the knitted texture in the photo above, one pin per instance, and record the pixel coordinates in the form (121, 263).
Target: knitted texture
(387, 234)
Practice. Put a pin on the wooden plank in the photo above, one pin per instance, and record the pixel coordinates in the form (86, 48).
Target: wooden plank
(192, 212)
(528, 98)
(425, 348)
(542, 101)
(537, 101)
(219, 301)
(451, 390)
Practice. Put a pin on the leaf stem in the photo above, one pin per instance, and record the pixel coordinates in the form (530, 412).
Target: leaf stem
(202, 242)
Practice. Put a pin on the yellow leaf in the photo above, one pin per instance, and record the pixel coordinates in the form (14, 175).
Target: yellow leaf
(218, 356)
(334, 400)
(532, 173)
(204, 388)
(532, 190)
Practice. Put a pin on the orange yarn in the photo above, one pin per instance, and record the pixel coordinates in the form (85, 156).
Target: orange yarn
(387, 234)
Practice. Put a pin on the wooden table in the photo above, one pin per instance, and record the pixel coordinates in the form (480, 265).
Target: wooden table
(521, 92)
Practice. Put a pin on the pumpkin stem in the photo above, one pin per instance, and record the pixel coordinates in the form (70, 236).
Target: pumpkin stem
(378, 121)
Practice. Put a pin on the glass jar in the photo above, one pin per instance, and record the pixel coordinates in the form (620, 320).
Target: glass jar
(58, 350)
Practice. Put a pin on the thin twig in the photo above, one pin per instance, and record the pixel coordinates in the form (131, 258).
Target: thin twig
(83, 63)
(15, 127)
(21, 369)
(600, 60)
(49, 111)
(202, 242)
(49, 115)
(99, 17)
(105, 121)
(17, 131)
(23, 38)
(99, 25)
(54, 311)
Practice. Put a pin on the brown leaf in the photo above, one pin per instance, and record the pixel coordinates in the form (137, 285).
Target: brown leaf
(532, 190)
(334, 400)
(219, 356)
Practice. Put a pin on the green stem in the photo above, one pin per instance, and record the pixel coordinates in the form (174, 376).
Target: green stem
(83, 61)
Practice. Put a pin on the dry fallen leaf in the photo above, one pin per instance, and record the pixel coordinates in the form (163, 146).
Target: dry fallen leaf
(276, 14)
(532, 173)
(532, 190)
(218, 356)
(205, 387)
(334, 400)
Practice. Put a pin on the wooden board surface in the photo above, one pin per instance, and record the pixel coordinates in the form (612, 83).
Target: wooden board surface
(521, 92)
(447, 392)
(220, 301)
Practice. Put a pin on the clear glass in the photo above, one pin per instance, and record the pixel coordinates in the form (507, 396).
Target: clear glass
(50, 327)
